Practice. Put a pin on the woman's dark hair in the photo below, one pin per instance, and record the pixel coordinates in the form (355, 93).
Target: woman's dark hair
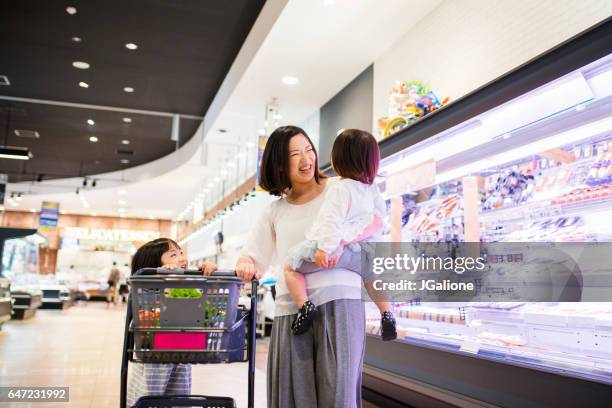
(356, 155)
(149, 255)
(274, 167)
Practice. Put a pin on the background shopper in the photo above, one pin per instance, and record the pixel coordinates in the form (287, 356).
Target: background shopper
(113, 284)
(321, 368)
(160, 379)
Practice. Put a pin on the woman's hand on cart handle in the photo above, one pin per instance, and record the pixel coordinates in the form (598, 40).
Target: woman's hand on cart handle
(245, 269)
(208, 268)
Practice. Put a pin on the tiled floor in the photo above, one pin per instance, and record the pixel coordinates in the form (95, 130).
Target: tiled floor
(80, 348)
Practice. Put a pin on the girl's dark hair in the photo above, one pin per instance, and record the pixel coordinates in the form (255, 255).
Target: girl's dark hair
(274, 167)
(356, 155)
(149, 255)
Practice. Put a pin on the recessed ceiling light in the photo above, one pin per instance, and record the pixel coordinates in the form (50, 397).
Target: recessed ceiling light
(91, 122)
(151, 217)
(80, 65)
(127, 120)
(125, 142)
(33, 210)
(76, 39)
(71, 10)
(122, 202)
(125, 161)
(122, 215)
(63, 212)
(217, 179)
(122, 192)
(131, 46)
(210, 185)
(121, 210)
(290, 80)
(128, 89)
(93, 139)
(83, 84)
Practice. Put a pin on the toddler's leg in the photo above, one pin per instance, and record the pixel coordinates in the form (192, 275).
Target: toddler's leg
(387, 320)
(296, 283)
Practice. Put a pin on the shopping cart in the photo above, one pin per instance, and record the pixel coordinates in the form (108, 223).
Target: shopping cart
(180, 316)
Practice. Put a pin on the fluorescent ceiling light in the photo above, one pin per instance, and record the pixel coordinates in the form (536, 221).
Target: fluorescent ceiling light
(128, 89)
(290, 80)
(80, 65)
(83, 84)
(131, 46)
(16, 153)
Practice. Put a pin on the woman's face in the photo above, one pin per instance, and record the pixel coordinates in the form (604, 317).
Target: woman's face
(174, 256)
(302, 160)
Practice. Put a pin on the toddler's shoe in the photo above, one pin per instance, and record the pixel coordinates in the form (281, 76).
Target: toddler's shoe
(387, 327)
(303, 321)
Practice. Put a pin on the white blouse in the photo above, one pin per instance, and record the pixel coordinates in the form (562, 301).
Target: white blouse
(349, 207)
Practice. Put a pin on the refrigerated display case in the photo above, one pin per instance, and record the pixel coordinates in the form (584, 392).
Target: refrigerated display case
(20, 255)
(526, 158)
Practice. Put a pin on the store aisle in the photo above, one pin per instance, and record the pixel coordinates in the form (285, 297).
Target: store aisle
(81, 348)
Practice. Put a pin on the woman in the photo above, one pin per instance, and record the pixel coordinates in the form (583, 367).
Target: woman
(160, 379)
(321, 368)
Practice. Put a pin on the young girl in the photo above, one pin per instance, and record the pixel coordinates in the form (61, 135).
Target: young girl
(160, 379)
(352, 211)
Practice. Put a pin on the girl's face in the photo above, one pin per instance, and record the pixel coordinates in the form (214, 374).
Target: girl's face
(302, 160)
(174, 256)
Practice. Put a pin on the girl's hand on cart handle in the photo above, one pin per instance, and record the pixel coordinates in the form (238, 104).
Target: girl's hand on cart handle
(208, 267)
(245, 269)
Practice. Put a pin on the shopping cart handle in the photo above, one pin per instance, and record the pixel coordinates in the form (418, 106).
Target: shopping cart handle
(164, 271)
(224, 272)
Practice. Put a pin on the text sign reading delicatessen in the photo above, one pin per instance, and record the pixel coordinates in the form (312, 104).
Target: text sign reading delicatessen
(99, 234)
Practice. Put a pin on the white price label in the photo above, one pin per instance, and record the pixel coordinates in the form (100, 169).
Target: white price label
(470, 346)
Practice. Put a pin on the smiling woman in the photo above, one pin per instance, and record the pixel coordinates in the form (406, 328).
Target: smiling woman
(321, 367)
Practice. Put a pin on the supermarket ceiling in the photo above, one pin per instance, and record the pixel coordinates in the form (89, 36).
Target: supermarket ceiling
(172, 56)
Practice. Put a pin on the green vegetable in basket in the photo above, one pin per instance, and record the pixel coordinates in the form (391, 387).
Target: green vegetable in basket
(184, 293)
(213, 313)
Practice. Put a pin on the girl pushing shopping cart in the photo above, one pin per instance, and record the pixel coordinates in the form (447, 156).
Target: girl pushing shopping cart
(182, 317)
